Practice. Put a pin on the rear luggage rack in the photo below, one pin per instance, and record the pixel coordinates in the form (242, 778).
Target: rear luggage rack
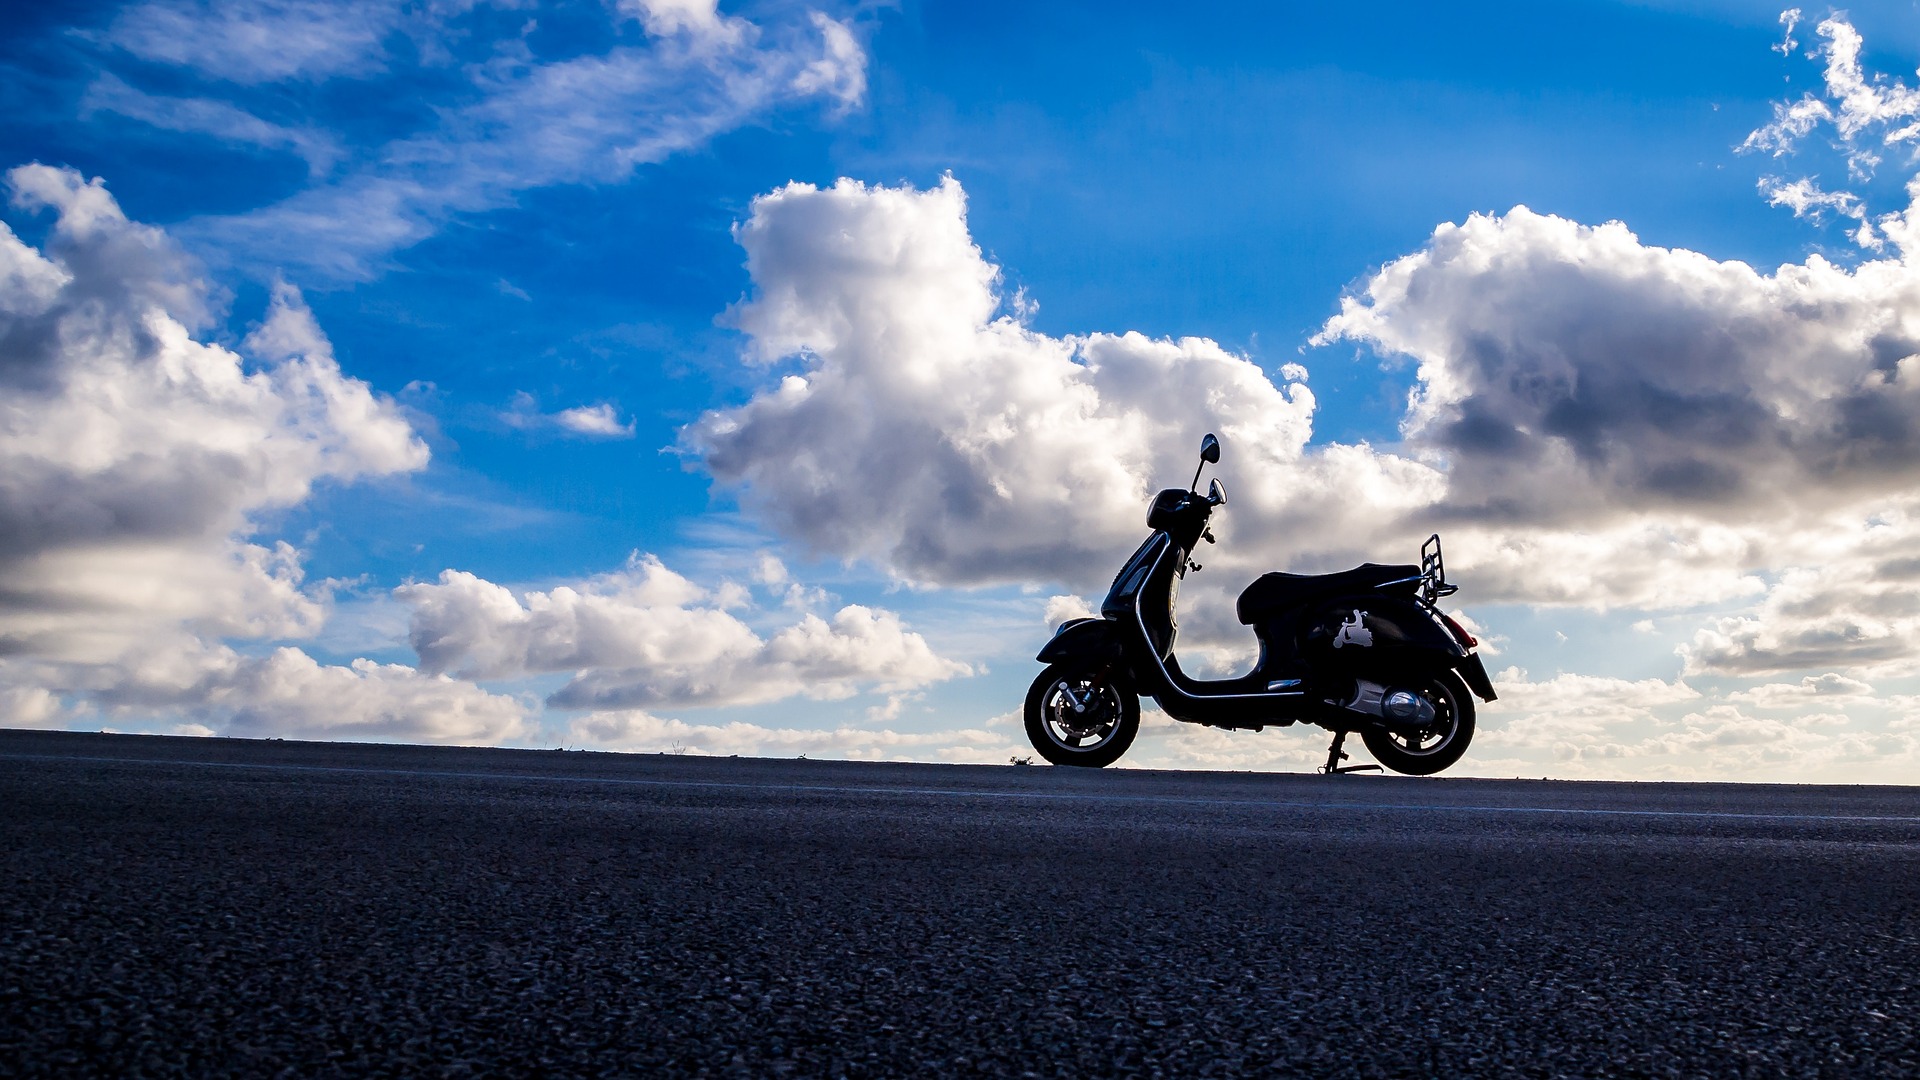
(1433, 572)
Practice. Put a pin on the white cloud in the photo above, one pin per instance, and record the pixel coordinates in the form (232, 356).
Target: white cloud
(134, 464)
(1636, 426)
(260, 41)
(1580, 726)
(699, 19)
(1597, 422)
(134, 459)
(30, 707)
(1569, 710)
(1061, 608)
(598, 420)
(1722, 742)
(209, 116)
(646, 637)
(1568, 693)
(1857, 609)
(532, 122)
(1789, 19)
(1867, 116)
(287, 693)
(1807, 200)
(1569, 373)
(1831, 690)
(839, 71)
(952, 446)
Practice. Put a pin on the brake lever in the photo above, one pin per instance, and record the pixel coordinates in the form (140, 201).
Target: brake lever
(1207, 535)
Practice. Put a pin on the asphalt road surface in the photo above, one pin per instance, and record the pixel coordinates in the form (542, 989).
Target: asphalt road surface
(205, 906)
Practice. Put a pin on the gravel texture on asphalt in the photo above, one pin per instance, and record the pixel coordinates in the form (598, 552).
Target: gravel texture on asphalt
(198, 907)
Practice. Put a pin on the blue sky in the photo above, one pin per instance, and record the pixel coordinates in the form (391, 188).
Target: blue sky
(517, 287)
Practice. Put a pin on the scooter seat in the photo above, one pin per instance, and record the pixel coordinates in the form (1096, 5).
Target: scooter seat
(1272, 594)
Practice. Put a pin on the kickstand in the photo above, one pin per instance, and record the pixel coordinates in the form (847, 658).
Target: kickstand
(1335, 756)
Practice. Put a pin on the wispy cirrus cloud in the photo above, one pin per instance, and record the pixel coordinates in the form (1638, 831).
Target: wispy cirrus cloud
(516, 120)
(214, 118)
(261, 41)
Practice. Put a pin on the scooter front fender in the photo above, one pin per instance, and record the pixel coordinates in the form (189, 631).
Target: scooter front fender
(1098, 640)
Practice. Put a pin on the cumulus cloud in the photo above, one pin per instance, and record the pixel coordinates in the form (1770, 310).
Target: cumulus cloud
(951, 444)
(1569, 710)
(286, 693)
(1725, 742)
(135, 458)
(135, 463)
(645, 637)
(1597, 421)
(600, 421)
(1059, 609)
(1830, 690)
(1857, 609)
(30, 707)
(1571, 373)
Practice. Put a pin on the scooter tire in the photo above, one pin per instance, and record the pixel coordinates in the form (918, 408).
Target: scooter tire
(1447, 692)
(1045, 717)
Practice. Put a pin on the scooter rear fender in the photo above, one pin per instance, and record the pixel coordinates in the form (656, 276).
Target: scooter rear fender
(1474, 674)
(1098, 640)
(1418, 629)
(1401, 637)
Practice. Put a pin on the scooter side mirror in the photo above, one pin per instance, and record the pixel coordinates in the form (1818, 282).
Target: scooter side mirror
(1216, 494)
(1210, 449)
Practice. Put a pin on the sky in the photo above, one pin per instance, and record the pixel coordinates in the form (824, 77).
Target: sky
(769, 378)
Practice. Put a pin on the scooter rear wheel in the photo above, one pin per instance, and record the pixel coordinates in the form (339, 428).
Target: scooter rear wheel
(1078, 714)
(1442, 743)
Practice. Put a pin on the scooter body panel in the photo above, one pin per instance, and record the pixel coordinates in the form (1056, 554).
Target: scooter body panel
(1378, 633)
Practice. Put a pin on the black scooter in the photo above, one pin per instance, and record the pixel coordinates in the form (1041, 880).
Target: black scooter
(1362, 650)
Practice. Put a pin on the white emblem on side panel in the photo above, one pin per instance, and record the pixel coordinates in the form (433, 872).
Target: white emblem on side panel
(1354, 631)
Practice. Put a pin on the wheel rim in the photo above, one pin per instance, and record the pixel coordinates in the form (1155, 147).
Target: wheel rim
(1081, 713)
(1434, 737)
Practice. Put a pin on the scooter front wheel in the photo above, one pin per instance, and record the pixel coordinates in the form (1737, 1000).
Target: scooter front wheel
(1079, 714)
